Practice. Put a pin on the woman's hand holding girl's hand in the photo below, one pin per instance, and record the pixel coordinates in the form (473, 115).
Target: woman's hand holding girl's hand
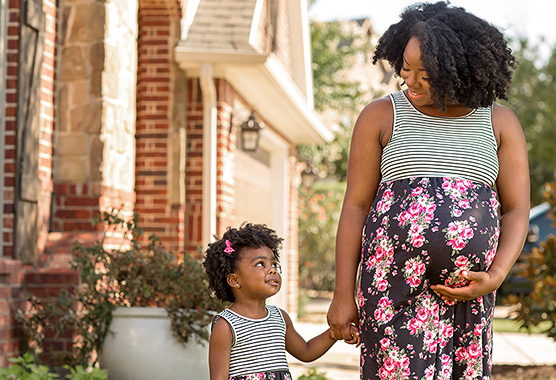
(480, 284)
(355, 337)
(342, 314)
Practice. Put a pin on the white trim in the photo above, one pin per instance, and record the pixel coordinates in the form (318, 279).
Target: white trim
(209, 154)
(187, 19)
(255, 23)
(301, 48)
(279, 166)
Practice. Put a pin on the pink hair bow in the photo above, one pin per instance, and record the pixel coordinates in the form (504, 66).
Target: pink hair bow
(229, 248)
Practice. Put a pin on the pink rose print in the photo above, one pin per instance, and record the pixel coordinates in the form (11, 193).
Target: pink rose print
(462, 262)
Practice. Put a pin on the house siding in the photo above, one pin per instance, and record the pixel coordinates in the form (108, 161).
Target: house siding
(121, 133)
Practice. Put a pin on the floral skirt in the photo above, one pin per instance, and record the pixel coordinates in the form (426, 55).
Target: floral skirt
(420, 232)
(273, 375)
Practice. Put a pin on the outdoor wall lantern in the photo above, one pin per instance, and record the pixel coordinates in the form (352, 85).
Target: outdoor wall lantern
(250, 134)
(308, 175)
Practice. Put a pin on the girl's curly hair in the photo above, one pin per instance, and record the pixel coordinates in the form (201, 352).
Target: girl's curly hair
(219, 264)
(467, 59)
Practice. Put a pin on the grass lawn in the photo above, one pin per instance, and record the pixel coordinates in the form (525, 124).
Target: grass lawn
(509, 325)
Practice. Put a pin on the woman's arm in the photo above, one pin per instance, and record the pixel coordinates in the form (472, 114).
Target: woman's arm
(220, 346)
(314, 348)
(371, 132)
(513, 191)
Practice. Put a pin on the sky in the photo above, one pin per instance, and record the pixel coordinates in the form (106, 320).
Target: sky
(531, 18)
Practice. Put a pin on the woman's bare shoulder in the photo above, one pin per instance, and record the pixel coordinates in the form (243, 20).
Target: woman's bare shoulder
(504, 122)
(376, 119)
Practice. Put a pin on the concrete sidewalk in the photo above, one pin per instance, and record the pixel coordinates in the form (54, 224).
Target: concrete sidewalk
(341, 362)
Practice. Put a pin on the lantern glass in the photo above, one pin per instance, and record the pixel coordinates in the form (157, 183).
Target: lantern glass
(250, 135)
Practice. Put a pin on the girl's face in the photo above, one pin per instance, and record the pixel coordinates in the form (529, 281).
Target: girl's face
(257, 273)
(415, 76)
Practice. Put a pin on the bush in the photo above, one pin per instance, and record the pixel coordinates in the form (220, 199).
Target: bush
(131, 276)
(313, 374)
(538, 308)
(318, 221)
(24, 368)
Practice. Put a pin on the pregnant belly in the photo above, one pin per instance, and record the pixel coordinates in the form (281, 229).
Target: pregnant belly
(424, 231)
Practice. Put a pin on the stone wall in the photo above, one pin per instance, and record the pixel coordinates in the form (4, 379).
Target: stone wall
(95, 145)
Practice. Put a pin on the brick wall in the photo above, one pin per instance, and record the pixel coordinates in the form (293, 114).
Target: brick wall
(194, 169)
(10, 128)
(157, 157)
(282, 47)
(10, 289)
(12, 276)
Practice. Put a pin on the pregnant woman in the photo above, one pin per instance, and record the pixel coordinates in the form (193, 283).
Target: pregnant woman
(437, 202)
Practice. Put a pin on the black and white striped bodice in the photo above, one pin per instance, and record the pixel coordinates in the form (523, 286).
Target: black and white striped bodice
(259, 345)
(432, 146)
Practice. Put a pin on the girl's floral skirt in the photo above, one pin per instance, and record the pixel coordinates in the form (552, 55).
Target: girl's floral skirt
(273, 375)
(419, 232)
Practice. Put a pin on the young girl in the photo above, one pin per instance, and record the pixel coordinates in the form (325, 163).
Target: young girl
(249, 339)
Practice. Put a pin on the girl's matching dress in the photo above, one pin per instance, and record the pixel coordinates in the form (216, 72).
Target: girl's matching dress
(258, 347)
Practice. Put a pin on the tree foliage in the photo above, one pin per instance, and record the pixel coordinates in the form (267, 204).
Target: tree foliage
(335, 48)
(533, 99)
(538, 308)
(318, 221)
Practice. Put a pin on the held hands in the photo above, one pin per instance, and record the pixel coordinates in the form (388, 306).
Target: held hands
(342, 319)
(355, 337)
(480, 284)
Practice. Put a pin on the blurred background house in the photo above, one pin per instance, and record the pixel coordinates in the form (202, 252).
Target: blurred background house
(139, 105)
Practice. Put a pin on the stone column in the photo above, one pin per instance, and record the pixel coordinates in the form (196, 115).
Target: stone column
(94, 145)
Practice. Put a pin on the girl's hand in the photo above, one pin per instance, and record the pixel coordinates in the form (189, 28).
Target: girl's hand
(355, 337)
(480, 284)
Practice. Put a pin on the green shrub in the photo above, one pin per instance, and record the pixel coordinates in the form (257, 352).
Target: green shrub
(25, 368)
(538, 308)
(319, 213)
(313, 374)
(130, 276)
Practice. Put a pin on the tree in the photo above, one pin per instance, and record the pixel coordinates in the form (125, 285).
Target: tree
(533, 99)
(335, 48)
(537, 309)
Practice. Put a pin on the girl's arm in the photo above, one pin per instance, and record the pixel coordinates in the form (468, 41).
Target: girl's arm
(314, 348)
(220, 346)
(513, 191)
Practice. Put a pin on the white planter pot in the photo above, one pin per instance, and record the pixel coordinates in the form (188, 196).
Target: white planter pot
(142, 347)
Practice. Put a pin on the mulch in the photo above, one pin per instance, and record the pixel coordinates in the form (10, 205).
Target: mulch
(518, 372)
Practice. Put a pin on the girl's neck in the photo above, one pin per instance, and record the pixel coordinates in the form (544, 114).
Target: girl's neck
(253, 310)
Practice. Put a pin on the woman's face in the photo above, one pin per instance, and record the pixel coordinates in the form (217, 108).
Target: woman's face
(415, 76)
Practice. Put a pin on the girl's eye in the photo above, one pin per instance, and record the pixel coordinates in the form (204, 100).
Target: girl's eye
(260, 263)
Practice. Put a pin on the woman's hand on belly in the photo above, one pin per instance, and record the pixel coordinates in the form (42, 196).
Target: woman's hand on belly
(480, 284)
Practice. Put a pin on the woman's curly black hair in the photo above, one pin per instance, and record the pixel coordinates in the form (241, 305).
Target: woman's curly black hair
(219, 264)
(467, 59)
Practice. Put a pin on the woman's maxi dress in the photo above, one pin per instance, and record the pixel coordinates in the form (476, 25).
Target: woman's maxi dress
(435, 214)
